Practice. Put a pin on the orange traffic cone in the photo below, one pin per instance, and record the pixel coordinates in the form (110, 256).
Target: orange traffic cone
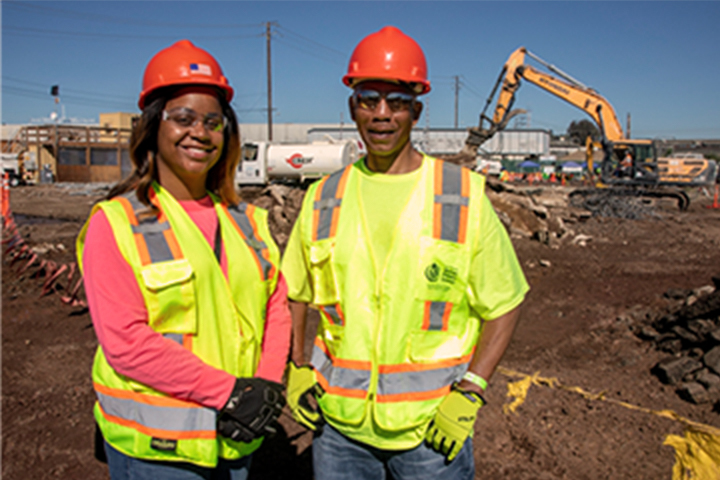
(716, 203)
(5, 196)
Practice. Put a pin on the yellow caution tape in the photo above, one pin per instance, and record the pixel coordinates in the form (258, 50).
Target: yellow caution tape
(697, 454)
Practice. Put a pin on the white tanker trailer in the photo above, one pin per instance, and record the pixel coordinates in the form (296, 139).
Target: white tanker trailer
(263, 162)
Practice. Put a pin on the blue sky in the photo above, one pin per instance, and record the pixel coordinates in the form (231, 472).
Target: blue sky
(658, 61)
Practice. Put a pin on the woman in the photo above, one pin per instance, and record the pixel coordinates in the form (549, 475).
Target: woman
(183, 289)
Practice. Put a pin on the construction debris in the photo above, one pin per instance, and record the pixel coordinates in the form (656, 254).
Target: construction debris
(690, 333)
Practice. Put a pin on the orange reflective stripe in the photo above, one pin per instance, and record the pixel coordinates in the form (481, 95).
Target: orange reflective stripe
(338, 194)
(437, 207)
(464, 192)
(421, 367)
(173, 244)
(316, 212)
(139, 238)
(160, 433)
(343, 362)
(446, 316)
(415, 396)
(147, 399)
(426, 315)
(244, 237)
(344, 392)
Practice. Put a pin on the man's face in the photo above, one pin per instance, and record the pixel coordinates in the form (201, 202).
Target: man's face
(385, 114)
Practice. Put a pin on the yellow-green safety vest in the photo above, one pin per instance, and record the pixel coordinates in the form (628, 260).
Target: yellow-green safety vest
(189, 301)
(397, 338)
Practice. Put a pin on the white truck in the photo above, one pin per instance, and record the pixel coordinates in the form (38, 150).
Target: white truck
(263, 162)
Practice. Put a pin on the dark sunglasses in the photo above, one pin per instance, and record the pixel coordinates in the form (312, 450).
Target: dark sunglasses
(186, 118)
(370, 99)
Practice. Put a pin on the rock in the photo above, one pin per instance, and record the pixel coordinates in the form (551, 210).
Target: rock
(707, 379)
(670, 371)
(686, 336)
(714, 336)
(671, 345)
(704, 290)
(581, 240)
(544, 263)
(676, 294)
(648, 333)
(712, 359)
(693, 392)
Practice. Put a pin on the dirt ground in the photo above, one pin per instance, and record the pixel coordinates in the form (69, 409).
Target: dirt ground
(575, 326)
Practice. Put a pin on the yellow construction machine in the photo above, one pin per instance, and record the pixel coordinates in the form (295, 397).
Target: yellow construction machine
(630, 166)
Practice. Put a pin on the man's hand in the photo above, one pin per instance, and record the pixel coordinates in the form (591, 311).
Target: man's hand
(253, 406)
(301, 384)
(453, 422)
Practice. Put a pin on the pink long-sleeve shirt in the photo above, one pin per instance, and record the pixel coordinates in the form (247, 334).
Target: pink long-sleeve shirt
(133, 349)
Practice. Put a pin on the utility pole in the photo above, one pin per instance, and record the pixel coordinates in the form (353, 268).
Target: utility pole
(628, 125)
(268, 33)
(457, 94)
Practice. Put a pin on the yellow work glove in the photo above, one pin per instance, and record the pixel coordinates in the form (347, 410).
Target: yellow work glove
(301, 383)
(453, 422)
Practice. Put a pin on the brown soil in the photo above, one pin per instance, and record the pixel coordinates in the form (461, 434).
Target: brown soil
(575, 326)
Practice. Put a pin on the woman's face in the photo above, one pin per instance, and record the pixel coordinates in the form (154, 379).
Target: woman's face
(190, 138)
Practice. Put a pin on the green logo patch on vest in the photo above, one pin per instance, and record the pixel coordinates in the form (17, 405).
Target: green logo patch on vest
(435, 272)
(432, 272)
(163, 444)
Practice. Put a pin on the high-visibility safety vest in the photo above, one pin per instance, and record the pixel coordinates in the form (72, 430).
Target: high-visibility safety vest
(188, 301)
(400, 337)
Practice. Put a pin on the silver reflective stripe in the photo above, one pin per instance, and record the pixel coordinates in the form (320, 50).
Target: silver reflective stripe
(327, 203)
(178, 419)
(337, 376)
(423, 381)
(175, 337)
(238, 213)
(437, 311)
(333, 313)
(152, 232)
(157, 245)
(451, 200)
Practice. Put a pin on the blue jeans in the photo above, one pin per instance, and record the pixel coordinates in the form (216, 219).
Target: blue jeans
(336, 457)
(123, 467)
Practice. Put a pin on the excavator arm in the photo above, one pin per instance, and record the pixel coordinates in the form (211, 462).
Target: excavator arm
(565, 87)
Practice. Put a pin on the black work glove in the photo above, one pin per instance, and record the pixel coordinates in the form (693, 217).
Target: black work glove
(254, 404)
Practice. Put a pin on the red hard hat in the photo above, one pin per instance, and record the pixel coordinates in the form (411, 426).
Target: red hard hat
(180, 64)
(388, 55)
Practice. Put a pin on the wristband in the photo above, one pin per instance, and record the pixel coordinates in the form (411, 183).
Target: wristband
(475, 380)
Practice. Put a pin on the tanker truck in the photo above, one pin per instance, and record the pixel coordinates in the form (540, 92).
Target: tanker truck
(264, 162)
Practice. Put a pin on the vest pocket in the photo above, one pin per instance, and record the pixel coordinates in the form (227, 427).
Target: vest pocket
(323, 273)
(171, 303)
(443, 270)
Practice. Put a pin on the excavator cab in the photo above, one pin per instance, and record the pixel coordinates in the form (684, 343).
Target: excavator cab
(630, 162)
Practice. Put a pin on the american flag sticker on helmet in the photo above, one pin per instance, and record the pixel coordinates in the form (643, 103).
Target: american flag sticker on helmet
(200, 69)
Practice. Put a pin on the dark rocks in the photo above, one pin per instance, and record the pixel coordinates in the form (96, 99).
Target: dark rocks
(670, 371)
(689, 330)
(694, 392)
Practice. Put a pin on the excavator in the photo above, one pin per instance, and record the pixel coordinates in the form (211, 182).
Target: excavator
(630, 167)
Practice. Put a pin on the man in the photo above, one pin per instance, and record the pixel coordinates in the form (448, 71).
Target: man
(417, 285)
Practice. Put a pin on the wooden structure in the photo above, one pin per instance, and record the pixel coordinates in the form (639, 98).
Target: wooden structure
(80, 153)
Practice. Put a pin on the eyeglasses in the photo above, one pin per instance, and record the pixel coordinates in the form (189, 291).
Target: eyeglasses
(186, 118)
(370, 99)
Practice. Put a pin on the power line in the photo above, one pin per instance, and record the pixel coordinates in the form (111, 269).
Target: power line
(309, 40)
(65, 89)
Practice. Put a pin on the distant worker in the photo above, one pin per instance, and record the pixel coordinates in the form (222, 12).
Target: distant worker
(626, 164)
(183, 289)
(417, 285)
